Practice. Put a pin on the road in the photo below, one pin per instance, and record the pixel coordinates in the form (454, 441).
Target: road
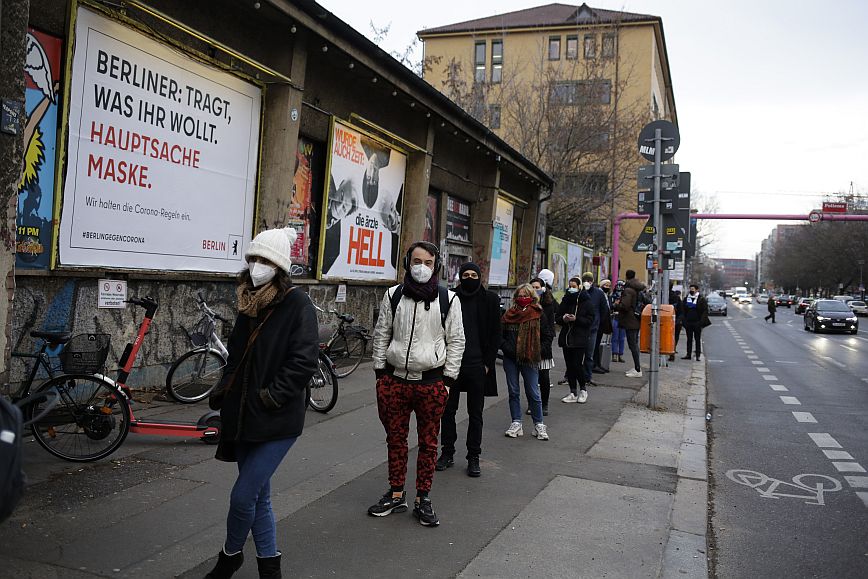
(788, 447)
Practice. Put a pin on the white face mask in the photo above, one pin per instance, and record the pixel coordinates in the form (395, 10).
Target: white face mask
(421, 272)
(261, 274)
(587, 285)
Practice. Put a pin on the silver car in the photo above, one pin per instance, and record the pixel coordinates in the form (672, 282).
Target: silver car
(716, 305)
(859, 307)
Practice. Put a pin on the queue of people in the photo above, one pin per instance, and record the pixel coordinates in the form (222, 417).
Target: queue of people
(430, 345)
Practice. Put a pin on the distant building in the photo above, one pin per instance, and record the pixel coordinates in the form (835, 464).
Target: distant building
(737, 272)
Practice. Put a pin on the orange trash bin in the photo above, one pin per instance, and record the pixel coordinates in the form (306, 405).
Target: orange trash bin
(667, 329)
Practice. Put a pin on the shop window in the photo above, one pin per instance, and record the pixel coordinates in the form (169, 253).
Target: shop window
(479, 61)
(572, 47)
(554, 47)
(590, 46)
(496, 61)
(608, 48)
(457, 220)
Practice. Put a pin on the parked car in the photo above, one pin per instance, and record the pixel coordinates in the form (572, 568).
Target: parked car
(762, 298)
(859, 307)
(716, 305)
(830, 316)
(783, 300)
(803, 304)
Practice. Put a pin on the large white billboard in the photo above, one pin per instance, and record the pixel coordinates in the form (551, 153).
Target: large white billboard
(501, 243)
(162, 156)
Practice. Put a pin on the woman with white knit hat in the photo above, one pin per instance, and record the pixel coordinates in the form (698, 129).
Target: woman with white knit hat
(273, 353)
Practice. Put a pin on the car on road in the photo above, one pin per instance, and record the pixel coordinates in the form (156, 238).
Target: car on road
(845, 299)
(743, 298)
(783, 300)
(803, 304)
(859, 307)
(762, 298)
(830, 316)
(716, 305)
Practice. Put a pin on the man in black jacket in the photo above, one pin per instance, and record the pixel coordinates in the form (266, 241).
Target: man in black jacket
(695, 318)
(480, 311)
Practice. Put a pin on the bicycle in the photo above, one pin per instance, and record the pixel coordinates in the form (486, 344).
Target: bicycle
(93, 416)
(195, 373)
(322, 389)
(347, 345)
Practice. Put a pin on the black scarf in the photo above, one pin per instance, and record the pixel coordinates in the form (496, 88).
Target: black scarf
(426, 292)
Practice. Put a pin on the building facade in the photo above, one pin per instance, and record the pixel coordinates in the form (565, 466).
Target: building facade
(571, 87)
(737, 272)
(162, 136)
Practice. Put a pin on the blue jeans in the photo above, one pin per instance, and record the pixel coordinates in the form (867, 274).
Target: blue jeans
(531, 389)
(250, 500)
(590, 351)
(618, 337)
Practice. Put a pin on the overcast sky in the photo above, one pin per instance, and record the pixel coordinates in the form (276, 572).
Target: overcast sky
(772, 96)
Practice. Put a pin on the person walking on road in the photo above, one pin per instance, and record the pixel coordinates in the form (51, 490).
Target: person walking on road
(628, 319)
(773, 307)
(695, 318)
(600, 305)
(525, 329)
(619, 335)
(575, 316)
(480, 312)
(418, 346)
(273, 352)
(550, 307)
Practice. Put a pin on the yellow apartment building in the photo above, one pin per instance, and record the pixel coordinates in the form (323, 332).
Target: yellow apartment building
(570, 87)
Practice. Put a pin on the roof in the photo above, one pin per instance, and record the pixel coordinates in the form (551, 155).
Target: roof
(546, 16)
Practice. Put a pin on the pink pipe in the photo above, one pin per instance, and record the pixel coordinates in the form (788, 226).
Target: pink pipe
(616, 225)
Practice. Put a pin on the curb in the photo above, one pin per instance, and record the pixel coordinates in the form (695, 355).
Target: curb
(686, 552)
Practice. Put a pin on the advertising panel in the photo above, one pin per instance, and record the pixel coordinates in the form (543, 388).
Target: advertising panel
(558, 250)
(362, 218)
(302, 214)
(162, 157)
(501, 243)
(432, 220)
(457, 220)
(36, 188)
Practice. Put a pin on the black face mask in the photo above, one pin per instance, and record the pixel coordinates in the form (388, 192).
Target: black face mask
(470, 285)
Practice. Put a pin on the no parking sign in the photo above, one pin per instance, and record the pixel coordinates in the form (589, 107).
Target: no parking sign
(112, 293)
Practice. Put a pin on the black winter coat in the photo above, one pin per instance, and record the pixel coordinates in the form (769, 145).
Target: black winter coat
(488, 322)
(510, 337)
(575, 334)
(550, 310)
(268, 397)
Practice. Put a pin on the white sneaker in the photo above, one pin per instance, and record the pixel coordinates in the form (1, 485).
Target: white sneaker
(539, 430)
(634, 374)
(570, 398)
(583, 396)
(514, 430)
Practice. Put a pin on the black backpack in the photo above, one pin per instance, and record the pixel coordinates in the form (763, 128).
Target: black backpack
(642, 300)
(443, 295)
(11, 476)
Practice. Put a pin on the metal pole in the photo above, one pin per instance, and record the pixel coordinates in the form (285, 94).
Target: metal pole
(653, 378)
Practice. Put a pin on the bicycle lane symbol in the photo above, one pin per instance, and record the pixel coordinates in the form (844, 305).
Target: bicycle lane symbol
(812, 495)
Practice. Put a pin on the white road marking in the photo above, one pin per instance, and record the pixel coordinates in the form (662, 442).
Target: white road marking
(770, 378)
(865, 379)
(804, 417)
(848, 466)
(779, 388)
(824, 440)
(834, 361)
(716, 361)
(849, 348)
(857, 482)
(838, 454)
(785, 362)
(749, 352)
(752, 357)
(757, 362)
(864, 497)
(763, 370)
(790, 400)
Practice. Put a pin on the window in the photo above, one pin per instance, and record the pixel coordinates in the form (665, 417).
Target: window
(572, 47)
(608, 49)
(554, 47)
(590, 46)
(496, 61)
(655, 108)
(479, 61)
(494, 116)
(581, 92)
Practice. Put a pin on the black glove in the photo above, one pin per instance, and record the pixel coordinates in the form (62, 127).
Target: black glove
(380, 372)
(448, 382)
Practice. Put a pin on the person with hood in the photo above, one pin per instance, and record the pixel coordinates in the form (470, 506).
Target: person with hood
(273, 352)
(549, 305)
(695, 318)
(480, 312)
(524, 330)
(605, 328)
(628, 319)
(575, 316)
(417, 359)
(618, 333)
(600, 305)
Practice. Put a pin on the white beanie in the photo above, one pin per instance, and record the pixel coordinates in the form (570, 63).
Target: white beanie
(547, 276)
(275, 245)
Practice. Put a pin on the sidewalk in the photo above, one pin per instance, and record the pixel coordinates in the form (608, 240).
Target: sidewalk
(618, 491)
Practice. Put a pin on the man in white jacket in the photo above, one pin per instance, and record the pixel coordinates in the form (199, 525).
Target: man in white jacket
(418, 346)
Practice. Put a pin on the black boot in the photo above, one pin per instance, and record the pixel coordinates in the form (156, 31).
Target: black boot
(226, 565)
(269, 567)
(473, 469)
(445, 461)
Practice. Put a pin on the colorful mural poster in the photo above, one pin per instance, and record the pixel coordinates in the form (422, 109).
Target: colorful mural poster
(301, 214)
(36, 188)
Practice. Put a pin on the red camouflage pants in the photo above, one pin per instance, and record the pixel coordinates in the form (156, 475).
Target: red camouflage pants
(396, 399)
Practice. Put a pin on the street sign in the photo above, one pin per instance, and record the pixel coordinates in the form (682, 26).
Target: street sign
(668, 177)
(671, 140)
(674, 236)
(683, 198)
(815, 216)
(834, 207)
(645, 204)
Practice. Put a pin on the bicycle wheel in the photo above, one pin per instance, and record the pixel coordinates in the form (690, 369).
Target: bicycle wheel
(192, 377)
(89, 422)
(322, 390)
(347, 352)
